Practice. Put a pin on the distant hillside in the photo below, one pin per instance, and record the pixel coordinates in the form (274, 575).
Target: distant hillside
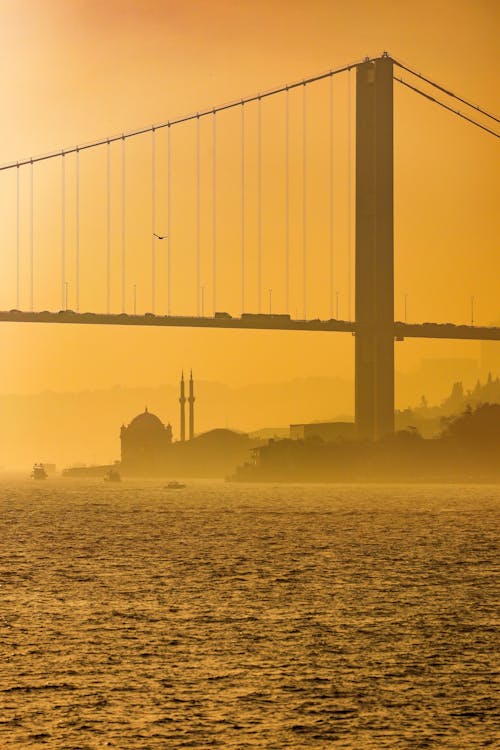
(429, 419)
(84, 427)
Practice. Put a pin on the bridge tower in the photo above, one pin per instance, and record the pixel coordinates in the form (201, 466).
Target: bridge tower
(374, 276)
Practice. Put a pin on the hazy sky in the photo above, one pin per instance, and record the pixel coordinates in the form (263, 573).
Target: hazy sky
(75, 70)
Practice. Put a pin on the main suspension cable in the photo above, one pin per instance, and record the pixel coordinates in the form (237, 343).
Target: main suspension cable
(231, 105)
(446, 91)
(446, 106)
(186, 118)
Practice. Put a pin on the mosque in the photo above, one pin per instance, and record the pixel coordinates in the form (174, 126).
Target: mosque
(148, 448)
(146, 442)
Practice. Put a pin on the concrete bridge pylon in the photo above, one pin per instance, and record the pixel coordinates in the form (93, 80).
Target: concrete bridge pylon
(374, 274)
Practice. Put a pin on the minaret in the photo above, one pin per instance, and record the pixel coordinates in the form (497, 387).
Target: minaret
(182, 401)
(191, 406)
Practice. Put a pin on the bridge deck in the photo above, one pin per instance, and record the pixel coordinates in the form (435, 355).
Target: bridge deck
(250, 321)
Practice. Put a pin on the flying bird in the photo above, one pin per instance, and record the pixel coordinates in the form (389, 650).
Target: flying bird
(160, 237)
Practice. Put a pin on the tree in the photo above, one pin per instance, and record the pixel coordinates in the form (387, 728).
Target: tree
(475, 428)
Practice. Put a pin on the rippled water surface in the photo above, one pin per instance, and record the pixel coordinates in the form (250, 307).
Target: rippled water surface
(247, 616)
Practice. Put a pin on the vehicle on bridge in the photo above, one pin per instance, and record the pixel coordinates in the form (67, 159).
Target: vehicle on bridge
(265, 316)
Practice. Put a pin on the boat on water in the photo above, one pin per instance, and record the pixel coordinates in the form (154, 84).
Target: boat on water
(175, 485)
(38, 472)
(112, 476)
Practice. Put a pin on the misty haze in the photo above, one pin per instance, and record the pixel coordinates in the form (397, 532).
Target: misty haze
(250, 381)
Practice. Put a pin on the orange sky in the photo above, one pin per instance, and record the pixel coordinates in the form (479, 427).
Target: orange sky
(78, 70)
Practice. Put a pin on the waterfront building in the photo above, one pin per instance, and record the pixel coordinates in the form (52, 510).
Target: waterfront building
(326, 431)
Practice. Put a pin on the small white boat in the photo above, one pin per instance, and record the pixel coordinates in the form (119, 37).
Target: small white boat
(175, 485)
(112, 476)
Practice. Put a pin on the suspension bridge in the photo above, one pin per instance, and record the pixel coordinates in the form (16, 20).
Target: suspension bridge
(230, 225)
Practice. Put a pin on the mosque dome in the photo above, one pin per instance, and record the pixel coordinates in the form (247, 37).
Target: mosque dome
(145, 445)
(146, 422)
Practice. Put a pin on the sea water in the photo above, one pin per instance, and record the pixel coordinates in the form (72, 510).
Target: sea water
(247, 616)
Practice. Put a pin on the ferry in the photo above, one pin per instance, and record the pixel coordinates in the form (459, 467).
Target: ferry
(38, 472)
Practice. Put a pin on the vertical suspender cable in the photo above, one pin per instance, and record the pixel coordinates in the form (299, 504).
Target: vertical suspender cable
(153, 220)
(198, 202)
(214, 210)
(63, 232)
(124, 234)
(77, 228)
(242, 207)
(31, 236)
(287, 204)
(331, 197)
(108, 227)
(169, 211)
(259, 223)
(349, 198)
(18, 237)
(304, 199)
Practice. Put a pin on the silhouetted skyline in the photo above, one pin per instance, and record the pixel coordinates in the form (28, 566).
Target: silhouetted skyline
(372, 322)
(268, 208)
(250, 335)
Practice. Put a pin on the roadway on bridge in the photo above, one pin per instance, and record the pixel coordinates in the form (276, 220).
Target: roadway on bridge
(252, 321)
